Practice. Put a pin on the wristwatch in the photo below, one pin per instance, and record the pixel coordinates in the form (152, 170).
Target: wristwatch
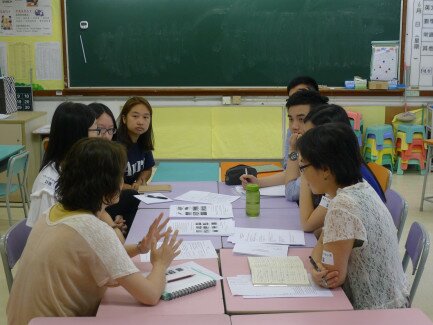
(293, 156)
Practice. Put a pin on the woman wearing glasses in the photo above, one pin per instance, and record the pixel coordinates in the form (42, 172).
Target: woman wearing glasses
(105, 121)
(358, 248)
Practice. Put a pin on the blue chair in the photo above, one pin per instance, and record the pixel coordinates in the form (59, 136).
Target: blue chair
(417, 249)
(12, 246)
(398, 208)
(16, 179)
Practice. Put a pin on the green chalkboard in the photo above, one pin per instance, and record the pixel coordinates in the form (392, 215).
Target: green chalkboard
(218, 43)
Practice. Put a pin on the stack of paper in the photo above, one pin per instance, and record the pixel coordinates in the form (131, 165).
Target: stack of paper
(152, 198)
(278, 270)
(257, 249)
(190, 250)
(275, 191)
(217, 211)
(203, 227)
(242, 285)
(268, 236)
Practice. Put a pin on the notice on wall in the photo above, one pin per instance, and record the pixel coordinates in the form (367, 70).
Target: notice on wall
(48, 59)
(419, 44)
(3, 59)
(20, 61)
(25, 18)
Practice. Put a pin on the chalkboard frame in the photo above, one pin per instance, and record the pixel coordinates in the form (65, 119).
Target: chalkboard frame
(210, 91)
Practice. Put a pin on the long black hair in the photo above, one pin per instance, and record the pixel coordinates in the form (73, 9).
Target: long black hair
(70, 123)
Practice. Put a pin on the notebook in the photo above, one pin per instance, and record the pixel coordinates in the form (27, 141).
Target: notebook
(287, 270)
(184, 280)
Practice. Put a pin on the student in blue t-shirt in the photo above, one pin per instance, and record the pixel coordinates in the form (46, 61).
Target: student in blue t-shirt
(135, 132)
(313, 207)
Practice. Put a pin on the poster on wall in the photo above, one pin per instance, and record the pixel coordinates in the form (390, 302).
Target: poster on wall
(419, 44)
(26, 18)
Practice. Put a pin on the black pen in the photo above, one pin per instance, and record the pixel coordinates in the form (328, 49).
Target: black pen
(317, 268)
(157, 197)
(313, 262)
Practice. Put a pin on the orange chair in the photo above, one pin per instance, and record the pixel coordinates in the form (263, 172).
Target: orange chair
(383, 175)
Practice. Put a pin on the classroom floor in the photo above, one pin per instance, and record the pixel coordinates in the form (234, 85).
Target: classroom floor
(409, 185)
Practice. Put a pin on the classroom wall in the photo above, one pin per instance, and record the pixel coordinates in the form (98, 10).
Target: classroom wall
(203, 128)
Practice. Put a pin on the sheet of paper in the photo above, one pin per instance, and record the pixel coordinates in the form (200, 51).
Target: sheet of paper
(190, 250)
(240, 190)
(256, 249)
(201, 269)
(217, 211)
(278, 270)
(48, 59)
(203, 227)
(242, 285)
(207, 197)
(20, 61)
(268, 236)
(152, 198)
(4, 116)
(3, 59)
(279, 190)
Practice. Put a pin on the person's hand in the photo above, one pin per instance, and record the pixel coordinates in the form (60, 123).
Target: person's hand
(247, 179)
(120, 223)
(135, 186)
(292, 141)
(325, 278)
(155, 232)
(165, 254)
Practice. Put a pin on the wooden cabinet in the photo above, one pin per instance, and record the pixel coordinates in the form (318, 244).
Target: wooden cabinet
(17, 129)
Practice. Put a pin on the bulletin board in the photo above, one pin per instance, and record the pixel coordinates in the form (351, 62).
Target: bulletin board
(31, 42)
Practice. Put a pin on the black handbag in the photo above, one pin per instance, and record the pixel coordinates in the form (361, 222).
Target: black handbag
(233, 174)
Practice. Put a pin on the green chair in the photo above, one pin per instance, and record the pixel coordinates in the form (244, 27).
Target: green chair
(16, 179)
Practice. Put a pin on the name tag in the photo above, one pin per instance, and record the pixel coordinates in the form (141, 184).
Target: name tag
(327, 258)
(324, 202)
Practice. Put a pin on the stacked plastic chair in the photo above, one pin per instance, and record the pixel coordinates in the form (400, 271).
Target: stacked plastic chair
(379, 145)
(410, 147)
(357, 124)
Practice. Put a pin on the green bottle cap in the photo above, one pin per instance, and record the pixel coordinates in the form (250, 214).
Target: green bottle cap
(252, 187)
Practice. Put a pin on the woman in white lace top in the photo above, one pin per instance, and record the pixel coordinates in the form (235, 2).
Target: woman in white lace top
(358, 248)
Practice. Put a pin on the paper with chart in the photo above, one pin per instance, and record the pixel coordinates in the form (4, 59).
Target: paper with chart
(190, 250)
(278, 270)
(242, 285)
(203, 227)
(207, 197)
(268, 236)
(258, 249)
(217, 211)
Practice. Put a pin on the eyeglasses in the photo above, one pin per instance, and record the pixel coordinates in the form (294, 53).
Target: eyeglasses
(301, 168)
(103, 131)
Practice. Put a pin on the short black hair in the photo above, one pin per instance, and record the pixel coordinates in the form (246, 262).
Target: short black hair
(303, 80)
(306, 97)
(327, 113)
(70, 123)
(333, 146)
(99, 109)
(91, 174)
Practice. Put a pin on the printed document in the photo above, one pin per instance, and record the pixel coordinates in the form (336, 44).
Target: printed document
(217, 211)
(268, 236)
(257, 249)
(190, 250)
(203, 227)
(207, 197)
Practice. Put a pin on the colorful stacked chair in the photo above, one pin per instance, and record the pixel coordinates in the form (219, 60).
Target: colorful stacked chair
(357, 124)
(379, 145)
(410, 147)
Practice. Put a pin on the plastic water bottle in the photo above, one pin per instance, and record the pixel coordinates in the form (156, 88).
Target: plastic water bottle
(252, 200)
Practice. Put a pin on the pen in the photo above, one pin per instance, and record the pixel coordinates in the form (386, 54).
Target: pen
(313, 262)
(246, 171)
(157, 197)
(181, 278)
(317, 268)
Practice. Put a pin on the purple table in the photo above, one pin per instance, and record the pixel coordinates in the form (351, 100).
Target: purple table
(179, 188)
(266, 202)
(271, 219)
(143, 220)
